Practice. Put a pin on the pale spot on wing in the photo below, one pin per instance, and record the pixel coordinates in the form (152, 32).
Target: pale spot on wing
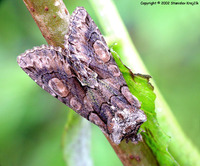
(113, 107)
(114, 70)
(128, 95)
(96, 120)
(58, 87)
(101, 51)
(75, 104)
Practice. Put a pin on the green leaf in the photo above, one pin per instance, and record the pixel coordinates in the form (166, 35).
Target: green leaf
(153, 136)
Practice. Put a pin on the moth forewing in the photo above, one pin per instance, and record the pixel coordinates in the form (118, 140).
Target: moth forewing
(85, 77)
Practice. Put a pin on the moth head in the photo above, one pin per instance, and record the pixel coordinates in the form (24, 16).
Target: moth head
(125, 124)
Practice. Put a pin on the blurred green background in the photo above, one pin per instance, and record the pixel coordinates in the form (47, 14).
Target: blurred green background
(32, 122)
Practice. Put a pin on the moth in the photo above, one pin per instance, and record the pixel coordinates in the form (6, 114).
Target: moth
(85, 77)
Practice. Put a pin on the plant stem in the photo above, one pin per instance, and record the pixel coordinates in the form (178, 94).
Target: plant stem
(180, 146)
(52, 18)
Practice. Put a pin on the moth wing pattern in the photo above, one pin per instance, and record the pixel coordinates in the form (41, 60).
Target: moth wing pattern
(115, 102)
(85, 77)
(49, 68)
(85, 42)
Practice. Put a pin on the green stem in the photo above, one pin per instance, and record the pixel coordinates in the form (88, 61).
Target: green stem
(180, 146)
(52, 18)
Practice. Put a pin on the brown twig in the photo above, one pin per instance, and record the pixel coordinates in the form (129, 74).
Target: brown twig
(132, 154)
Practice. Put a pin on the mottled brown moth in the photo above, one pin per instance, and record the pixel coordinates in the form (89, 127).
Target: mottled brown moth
(85, 77)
